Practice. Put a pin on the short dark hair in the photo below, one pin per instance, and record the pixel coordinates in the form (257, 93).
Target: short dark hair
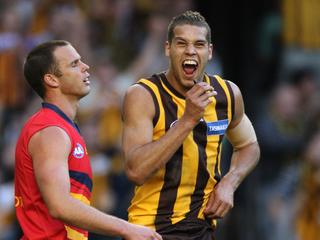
(41, 61)
(190, 18)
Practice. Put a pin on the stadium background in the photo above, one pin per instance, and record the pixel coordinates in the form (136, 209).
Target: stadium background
(269, 48)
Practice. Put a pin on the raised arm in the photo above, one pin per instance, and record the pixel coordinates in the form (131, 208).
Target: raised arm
(245, 157)
(49, 149)
(143, 156)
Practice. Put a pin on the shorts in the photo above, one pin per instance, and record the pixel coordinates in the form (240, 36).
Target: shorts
(195, 229)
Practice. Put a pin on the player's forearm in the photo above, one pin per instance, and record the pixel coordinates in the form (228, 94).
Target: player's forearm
(243, 162)
(75, 213)
(143, 161)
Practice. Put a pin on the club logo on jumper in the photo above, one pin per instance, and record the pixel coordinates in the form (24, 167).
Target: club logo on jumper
(218, 127)
(78, 151)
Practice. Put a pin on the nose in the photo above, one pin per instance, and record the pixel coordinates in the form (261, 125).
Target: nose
(85, 66)
(190, 49)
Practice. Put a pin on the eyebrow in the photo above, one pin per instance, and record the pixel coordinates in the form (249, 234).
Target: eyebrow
(179, 39)
(196, 41)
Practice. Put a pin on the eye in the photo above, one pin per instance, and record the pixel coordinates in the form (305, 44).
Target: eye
(181, 43)
(75, 63)
(200, 44)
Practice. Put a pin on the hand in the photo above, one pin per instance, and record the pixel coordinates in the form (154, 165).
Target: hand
(197, 99)
(220, 201)
(137, 232)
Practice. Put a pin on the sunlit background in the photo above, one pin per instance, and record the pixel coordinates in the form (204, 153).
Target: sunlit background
(269, 48)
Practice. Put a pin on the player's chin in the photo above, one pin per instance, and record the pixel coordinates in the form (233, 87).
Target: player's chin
(85, 92)
(188, 83)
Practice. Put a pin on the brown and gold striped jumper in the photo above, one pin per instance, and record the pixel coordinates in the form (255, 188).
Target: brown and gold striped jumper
(181, 189)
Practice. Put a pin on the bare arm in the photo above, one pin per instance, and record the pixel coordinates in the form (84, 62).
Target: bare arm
(243, 160)
(142, 155)
(49, 149)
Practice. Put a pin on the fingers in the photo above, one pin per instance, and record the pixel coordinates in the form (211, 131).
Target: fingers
(210, 203)
(197, 99)
(200, 94)
(206, 95)
(218, 210)
(215, 206)
(202, 88)
(155, 236)
(158, 236)
(223, 210)
(211, 211)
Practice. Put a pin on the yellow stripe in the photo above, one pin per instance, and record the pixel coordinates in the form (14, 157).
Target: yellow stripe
(226, 90)
(212, 143)
(167, 89)
(161, 120)
(188, 179)
(144, 205)
(81, 198)
(74, 235)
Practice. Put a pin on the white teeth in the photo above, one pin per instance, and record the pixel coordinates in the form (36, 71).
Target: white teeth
(190, 62)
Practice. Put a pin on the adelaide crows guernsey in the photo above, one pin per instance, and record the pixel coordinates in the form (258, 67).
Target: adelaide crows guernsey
(180, 190)
(31, 211)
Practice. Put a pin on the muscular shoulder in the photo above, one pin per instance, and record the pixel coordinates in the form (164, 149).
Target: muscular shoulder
(238, 102)
(138, 91)
(51, 137)
(235, 89)
(138, 100)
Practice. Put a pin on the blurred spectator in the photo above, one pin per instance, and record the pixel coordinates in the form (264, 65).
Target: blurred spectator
(301, 35)
(305, 80)
(308, 197)
(12, 90)
(294, 206)
(281, 136)
(280, 130)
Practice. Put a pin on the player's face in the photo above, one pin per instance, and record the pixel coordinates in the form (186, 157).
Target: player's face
(189, 53)
(75, 77)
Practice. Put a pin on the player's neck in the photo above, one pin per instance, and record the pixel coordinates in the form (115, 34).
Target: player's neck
(68, 107)
(177, 83)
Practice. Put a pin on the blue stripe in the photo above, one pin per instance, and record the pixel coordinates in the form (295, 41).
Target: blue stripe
(61, 114)
(81, 178)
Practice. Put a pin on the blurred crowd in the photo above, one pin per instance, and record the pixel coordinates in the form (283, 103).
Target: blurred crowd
(123, 40)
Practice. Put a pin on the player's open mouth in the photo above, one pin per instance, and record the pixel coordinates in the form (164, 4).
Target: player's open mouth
(189, 66)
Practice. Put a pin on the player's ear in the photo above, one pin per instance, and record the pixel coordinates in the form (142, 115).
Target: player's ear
(167, 48)
(210, 51)
(51, 80)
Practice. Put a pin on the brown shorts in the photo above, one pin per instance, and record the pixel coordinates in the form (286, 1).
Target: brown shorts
(195, 229)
